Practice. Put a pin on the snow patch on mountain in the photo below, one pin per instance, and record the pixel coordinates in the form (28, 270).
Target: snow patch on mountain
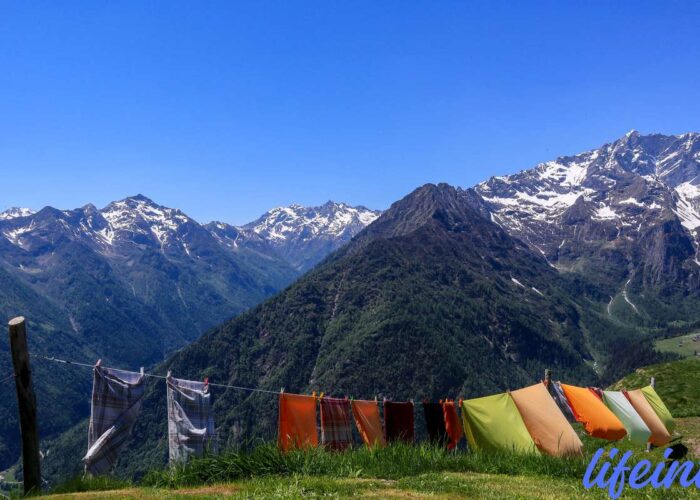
(14, 212)
(331, 220)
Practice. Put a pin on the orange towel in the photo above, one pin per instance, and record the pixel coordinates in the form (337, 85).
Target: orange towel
(659, 434)
(452, 425)
(366, 414)
(596, 418)
(297, 422)
(545, 422)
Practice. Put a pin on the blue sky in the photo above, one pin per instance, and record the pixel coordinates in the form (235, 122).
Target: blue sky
(225, 109)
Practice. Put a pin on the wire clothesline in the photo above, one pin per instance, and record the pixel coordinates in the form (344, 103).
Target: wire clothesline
(10, 376)
(153, 375)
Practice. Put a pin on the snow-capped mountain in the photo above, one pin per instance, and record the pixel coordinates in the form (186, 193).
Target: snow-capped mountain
(301, 235)
(629, 210)
(132, 281)
(13, 212)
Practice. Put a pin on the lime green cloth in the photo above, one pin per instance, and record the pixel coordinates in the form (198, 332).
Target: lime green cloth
(494, 423)
(637, 430)
(659, 407)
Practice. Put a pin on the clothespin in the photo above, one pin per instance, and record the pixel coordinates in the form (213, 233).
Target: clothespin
(99, 362)
(206, 380)
(313, 395)
(375, 399)
(282, 390)
(142, 372)
(460, 402)
(169, 374)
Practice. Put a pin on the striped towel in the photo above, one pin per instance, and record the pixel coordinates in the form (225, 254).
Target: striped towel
(336, 423)
(116, 402)
(190, 419)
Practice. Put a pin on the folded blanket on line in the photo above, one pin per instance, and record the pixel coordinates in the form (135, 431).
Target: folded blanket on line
(336, 430)
(435, 423)
(637, 431)
(297, 422)
(398, 422)
(116, 402)
(190, 419)
(366, 414)
(452, 425)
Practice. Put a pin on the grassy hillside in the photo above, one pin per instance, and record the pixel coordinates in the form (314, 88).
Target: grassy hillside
(685, 345)
(677, 382)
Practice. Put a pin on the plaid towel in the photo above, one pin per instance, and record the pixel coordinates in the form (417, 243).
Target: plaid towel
(116, 402)
(336, 430)
(190, 419)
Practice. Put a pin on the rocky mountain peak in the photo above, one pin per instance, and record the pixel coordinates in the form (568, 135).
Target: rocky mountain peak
(14, 212)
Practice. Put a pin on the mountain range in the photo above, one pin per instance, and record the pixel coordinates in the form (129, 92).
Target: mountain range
(573, 265)
(135, 280)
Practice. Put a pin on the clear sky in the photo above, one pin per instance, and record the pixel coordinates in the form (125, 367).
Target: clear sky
(225, 109)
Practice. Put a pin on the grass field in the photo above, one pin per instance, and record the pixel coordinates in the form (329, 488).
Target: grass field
(433, 485)
(396, 472)
(683, 346)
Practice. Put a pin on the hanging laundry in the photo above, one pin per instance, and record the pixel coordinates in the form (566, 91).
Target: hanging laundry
(659, 434)
(190, 419)
(452, 425)
(659, 407)
(369, 425)
(336, 431)
(596, 418)
(545, 422)
(637, 431)
(435, 422)
(494, 423)
(297, 422)
(116, 402)
(597, 391)
(398, 422)
(557, 394)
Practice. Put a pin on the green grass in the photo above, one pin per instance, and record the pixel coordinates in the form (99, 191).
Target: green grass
(683, 346)
(677, 382)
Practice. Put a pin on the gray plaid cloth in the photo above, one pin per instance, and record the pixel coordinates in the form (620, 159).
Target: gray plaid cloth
(116, 402)
(190, 419)
(560, 399)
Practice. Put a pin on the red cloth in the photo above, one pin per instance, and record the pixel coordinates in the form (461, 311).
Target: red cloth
(336, 431)
(297, 422)
(398, 421)
(452, 425)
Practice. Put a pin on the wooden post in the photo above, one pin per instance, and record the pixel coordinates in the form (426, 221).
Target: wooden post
(26, 401)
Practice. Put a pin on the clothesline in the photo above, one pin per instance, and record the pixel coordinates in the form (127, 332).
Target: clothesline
(10, 376)
(153, 375)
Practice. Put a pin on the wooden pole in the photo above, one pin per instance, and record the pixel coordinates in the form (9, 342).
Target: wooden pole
(26, 401)
(548, 380)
